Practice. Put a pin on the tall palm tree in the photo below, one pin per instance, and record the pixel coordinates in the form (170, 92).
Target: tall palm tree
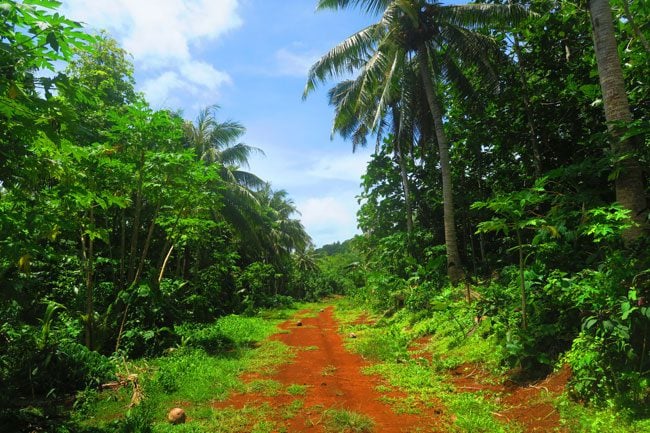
(353, 123)
(218, 143)
(630, 190)
(439, 41)
(282, 233)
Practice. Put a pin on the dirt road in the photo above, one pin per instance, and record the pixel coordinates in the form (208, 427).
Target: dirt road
(334, 380)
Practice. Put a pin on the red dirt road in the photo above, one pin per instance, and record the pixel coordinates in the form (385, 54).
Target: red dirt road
(333, 380)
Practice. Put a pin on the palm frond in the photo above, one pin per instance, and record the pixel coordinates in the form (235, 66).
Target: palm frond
(238, 154)
(370, 6)
(346, 57)
(247, 180)
(474, 16)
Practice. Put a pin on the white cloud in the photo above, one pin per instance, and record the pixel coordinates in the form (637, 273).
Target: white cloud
(294, 64)
(160, 90)
(158, 30)
(161, 35)
(329, 219)
(204, 75)
(199, 80)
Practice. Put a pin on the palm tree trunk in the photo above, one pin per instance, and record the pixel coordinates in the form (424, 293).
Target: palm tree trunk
(403, 172)
(405, 188)
(630, 191)
(454, 265)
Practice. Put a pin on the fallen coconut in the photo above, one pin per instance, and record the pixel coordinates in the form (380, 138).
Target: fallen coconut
(176, 416)
(299, 323)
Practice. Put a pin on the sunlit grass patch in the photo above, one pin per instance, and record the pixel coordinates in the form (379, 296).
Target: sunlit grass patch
(408, 404)
(269, 356)
(291, 410)
(295, 389)
(380, 344)
(473, 413)
(345, 421)
(411, 378)
(308, 348)
(266, 387)
(246, 420)
(193, 379)
(580, 419)
(383, 389)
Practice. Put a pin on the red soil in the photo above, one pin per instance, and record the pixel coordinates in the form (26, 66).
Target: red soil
(334, 380)
(524, 404)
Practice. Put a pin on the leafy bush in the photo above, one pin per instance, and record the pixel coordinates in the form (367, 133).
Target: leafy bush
(256, 283)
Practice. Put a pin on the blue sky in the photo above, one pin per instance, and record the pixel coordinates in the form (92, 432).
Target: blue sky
(251, 58)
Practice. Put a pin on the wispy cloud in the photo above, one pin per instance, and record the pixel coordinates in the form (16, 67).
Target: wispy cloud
(348, 167)
(294, 64)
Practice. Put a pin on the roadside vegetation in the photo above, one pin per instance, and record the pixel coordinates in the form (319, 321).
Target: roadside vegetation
(504, 217)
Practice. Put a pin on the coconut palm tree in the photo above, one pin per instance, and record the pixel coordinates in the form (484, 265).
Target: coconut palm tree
(218, 143)
(281, 234)
(630, 190)
(439, 41)
(353, 122)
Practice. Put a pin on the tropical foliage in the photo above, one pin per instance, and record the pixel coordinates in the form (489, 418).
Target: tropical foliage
(506, 190)
(118, 222)
(510, 146)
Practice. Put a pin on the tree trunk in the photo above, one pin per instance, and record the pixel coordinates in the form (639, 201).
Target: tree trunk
(87, 250)
(136, 221)
(534, 142)
(145, 249)
(630, 191)
(454, 265)
(123, 246)
(522, 282)
(403, 172)
(164, 264)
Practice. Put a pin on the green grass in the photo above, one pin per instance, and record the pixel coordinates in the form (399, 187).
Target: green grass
(424, 382)
(193, 378)
(265, 387)
(474, 414)
(291, 410)
(386, 343)
(581, 419)
(345, 421)
(296, 389)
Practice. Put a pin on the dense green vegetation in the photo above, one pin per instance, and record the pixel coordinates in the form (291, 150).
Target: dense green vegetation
(506, 189)
(511, 142)
(121, 226)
